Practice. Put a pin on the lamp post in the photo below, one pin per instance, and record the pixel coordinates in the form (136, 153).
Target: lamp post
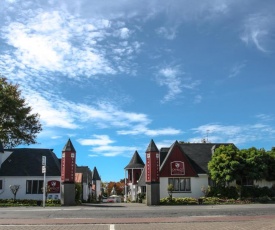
(44, 184)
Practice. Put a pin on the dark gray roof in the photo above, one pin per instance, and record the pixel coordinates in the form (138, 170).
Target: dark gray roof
(198, 154)
(136, 162)
(96, 175)
(152, 147)
(86, 173)
(1, 147)
(28, 162)
(141, 180)
(69, 147)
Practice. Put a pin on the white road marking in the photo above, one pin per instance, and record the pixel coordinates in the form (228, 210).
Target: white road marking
(112, 227)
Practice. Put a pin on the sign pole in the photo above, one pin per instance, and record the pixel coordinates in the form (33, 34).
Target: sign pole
(44, 184)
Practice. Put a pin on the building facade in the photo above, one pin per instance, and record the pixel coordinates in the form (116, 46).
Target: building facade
(23, 167)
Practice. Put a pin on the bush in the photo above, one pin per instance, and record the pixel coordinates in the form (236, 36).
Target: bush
(26, 202)
(223, 192)
(178, 201)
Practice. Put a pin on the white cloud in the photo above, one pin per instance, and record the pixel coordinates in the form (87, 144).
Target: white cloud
(236, 69)
(97, 140)
(257, 30)
(57, 42)
(247, 133)
(169, 77)
(168, 33)
(172, 78)
(50, 116)
(112, 151)
(140, 129)
(124, 33)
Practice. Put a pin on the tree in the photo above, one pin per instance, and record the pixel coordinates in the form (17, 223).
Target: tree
(17, 124)
(270, 172)
(14, 189)
(170, 189)
(224, 164)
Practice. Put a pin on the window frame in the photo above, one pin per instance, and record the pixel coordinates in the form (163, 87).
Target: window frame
(180, 184)
(34, 186)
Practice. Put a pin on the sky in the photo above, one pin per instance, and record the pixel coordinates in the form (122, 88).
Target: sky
(113, 75)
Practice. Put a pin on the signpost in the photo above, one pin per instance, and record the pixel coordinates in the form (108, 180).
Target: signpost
(44, 184)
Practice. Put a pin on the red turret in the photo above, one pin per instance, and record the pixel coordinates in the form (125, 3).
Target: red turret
(152, 163)
(68, 163)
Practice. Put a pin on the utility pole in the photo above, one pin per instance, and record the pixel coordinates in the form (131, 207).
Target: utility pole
(44, 184)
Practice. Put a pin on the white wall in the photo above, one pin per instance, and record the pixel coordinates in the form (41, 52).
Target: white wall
(6, 193)
(132, 194)
(196, 184)
(263, 183)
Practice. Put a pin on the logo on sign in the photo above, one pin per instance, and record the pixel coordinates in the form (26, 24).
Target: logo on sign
(54, 186)
(177, 168)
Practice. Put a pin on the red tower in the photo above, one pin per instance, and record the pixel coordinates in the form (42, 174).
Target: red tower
(68, 167)
(152, 174)
(68, 163)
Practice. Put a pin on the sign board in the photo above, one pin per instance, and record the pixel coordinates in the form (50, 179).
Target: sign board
(43, 169)
(43, 160)
(177, 168)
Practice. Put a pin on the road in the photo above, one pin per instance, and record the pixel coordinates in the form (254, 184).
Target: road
(139, 216)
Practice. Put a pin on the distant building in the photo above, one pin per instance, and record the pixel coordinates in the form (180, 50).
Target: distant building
(132, 174)
(184, 165)
(23, 166)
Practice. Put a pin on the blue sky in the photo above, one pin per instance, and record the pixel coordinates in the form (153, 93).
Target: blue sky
(112, 75)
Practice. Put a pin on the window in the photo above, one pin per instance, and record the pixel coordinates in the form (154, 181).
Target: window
(180, 184)
(34, 186)
(1, 184)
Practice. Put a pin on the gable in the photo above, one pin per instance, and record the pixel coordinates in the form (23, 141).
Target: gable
(28, 162)
(177, 163)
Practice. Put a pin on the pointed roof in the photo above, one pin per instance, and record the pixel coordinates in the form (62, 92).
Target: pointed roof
(1, 147)
(86, 173)
(152, 147)
(28, 161)
(69, 147)
(96, 175)
(198, 154)
(136, 162)
(141, 180)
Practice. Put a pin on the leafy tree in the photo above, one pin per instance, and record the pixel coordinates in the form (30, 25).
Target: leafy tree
(255, 163)
(17, 124)
(270, 171)
(14, 189)
(224, 164)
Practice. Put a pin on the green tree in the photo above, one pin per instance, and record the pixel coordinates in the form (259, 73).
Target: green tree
(17, 124)
(255, 163)
(270, 171)
(224, 164)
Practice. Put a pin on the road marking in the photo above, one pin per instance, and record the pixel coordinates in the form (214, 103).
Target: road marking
(112, 227)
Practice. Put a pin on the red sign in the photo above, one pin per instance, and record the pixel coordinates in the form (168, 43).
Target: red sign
(68, 167)
(53, 186)
(152, 167)
(177, 168)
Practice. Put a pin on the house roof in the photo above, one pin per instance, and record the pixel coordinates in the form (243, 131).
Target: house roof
(152, 147)
(86, 173)
(198, 154)
(141, 181)
(69, 147)
(135, 162)
(28, 162)
(96, 175)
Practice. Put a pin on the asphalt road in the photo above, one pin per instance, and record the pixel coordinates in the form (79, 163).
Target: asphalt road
(140, 216)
